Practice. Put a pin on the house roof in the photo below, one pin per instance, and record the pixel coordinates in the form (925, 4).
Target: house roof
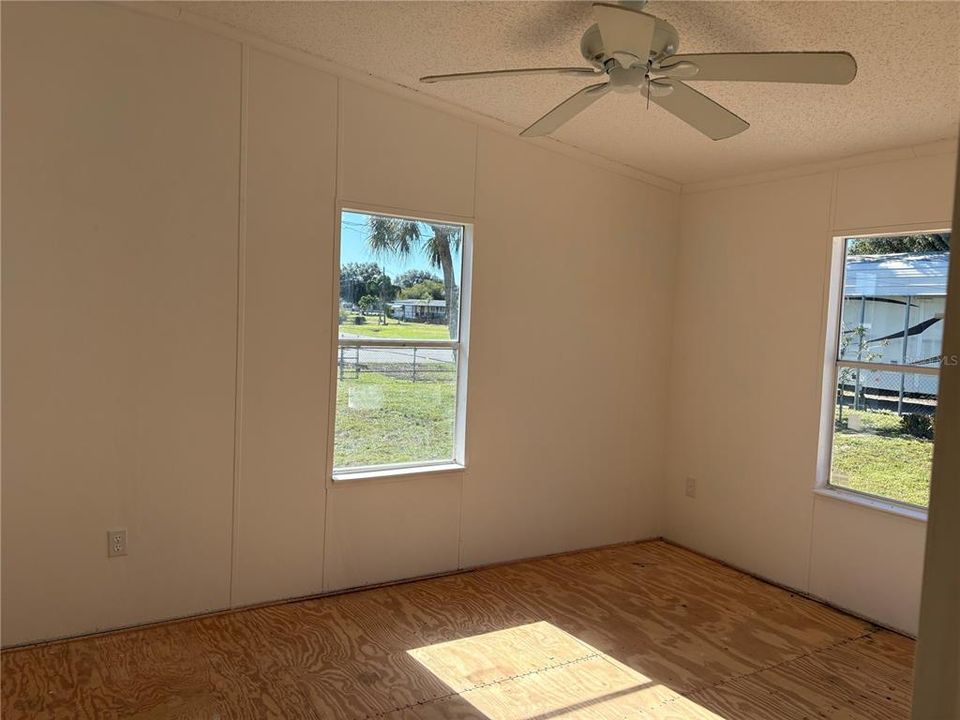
(917, 274)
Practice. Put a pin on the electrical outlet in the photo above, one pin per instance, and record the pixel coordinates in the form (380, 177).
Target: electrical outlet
(116, 543)
(691, 489)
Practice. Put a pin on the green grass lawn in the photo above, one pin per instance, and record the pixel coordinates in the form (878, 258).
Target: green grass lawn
(383, 420)
(880, 461)
(394, 329)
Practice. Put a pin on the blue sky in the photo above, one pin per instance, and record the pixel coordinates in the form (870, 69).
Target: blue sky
(353, 248)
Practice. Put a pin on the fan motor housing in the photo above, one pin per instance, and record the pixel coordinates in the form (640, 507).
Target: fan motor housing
(666, 42)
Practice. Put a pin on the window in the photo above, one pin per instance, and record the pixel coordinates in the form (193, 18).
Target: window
(401, 344)
(887, 364)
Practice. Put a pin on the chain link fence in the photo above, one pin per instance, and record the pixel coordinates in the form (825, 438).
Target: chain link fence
(899, 392)
(412, 364)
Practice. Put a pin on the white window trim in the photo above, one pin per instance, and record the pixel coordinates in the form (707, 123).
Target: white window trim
(458, 463)
(834, 307)
(399, 470)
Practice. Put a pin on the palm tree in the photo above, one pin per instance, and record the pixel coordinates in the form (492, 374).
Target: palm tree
(399, 237)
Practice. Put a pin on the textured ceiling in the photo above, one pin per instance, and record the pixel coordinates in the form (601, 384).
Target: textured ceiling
(907, 91)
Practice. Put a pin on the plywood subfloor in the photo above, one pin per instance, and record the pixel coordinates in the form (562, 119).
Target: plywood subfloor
(636, 631)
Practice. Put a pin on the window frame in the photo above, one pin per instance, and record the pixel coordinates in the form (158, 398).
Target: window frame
(460, 346)
(833, 364)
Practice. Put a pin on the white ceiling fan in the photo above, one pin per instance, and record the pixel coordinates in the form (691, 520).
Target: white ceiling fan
(637, 52)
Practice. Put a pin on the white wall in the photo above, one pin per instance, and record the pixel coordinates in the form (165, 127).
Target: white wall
(752, 288)
(288, 226)
(592, 475)
(120, 209)
(168, 269)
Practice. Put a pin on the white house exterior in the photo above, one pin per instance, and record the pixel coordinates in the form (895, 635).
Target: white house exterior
(893, 312)
(419, 310)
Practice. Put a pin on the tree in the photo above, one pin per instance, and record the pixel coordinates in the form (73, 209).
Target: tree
(385, 291)
(423, 290)
(399, 237)
(366, 302)
(415, 277)
(848, 375)
(354, 279)
(885, 245)
(360, 279)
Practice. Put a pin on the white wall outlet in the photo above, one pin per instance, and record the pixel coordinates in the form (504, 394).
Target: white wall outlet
(691, 488)
(116, 543)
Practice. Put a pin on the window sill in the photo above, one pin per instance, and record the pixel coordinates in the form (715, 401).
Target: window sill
(887, 506)
(396, 472)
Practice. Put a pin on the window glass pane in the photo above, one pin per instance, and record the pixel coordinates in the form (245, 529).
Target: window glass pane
(925, 334)
(395, 405)
(399, 278)
(893, 299)
(883, 433)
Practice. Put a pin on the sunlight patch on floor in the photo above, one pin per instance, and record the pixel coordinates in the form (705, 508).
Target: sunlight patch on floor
(540, 672)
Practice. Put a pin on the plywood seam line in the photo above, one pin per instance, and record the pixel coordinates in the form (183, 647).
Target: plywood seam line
(598, 656)
(241, 317)
(789, 661)
(483, 685)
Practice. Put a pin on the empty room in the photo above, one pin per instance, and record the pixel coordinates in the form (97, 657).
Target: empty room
(480, 360)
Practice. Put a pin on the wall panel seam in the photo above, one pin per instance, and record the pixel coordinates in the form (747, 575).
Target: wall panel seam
(241, 304)
(332, 348)
(466, 398)
(825, 326)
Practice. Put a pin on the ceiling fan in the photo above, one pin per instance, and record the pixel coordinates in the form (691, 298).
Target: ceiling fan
(637, 52)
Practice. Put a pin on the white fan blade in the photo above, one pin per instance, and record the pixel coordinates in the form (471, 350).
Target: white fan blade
(698, 111)
(507, 73)
(625, 31)
(566, 110)
(829, 68)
